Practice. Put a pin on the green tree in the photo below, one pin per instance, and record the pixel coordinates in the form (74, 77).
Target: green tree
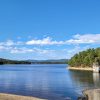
(85, 58)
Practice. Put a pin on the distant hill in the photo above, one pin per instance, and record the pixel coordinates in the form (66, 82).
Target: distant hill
(7, 61)
(51, 61)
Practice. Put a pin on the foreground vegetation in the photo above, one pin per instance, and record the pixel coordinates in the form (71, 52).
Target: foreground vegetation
(85, 58)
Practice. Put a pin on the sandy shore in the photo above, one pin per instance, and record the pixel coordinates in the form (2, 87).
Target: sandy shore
(16, 97)
(82, 69)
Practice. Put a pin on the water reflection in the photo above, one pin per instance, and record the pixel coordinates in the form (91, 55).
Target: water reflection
(53, 82)
(39, 81)
(82, 78)
(96, 79)
(85, 80)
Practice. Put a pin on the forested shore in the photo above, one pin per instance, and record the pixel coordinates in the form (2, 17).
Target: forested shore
(85, 59)
(7, 61)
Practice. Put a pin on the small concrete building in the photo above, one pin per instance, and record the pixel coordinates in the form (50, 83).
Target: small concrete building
(96, 67)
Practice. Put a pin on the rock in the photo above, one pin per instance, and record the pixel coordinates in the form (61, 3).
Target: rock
(82, 98)
(93, 94)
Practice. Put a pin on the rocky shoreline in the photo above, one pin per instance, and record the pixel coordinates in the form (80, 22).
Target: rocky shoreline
(4, 96)
(80, 68)
(91, 94)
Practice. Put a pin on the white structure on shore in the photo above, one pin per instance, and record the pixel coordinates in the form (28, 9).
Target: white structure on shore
(96, 67)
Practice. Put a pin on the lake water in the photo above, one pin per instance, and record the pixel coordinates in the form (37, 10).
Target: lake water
(49, 81)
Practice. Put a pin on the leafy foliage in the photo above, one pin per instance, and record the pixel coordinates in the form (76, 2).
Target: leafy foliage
(85, 58)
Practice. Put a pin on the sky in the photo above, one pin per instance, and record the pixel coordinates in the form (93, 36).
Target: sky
(48, 29)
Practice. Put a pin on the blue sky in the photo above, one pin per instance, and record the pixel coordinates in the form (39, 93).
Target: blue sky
(48, 29)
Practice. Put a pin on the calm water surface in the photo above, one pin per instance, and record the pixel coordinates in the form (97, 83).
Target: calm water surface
(51, 81)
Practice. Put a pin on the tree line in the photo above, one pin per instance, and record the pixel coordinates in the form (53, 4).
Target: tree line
(6, 61)
(85, 58)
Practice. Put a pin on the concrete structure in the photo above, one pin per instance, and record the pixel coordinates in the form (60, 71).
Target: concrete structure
(96, 67)
(92, 94)
(16, 97)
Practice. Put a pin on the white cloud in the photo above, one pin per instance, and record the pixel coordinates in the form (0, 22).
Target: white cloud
(44, 41)
(43, 51)
(76, 39)
(11, 43)
(77, 49)
(16, 50)
(84, 39)
(21, 50)
(7, 43)
(2, 47)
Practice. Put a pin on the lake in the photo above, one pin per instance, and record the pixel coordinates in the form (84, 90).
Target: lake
(49, 81)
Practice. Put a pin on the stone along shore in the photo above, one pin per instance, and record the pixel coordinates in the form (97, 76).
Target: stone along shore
(80, 68)
(16, 97)
(92, 94)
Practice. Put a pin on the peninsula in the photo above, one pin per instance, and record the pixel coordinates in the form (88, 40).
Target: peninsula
(85, 60)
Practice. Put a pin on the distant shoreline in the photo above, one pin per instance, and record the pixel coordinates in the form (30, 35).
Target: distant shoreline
(80, 69)
(34, 64)
(7, 61)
